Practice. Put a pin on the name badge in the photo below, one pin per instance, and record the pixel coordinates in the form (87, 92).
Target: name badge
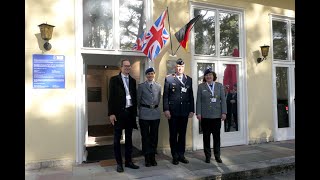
(213, 99)
(183, 89)
(128, 97)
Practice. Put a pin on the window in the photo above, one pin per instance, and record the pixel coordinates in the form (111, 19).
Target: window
(209, 32)
(103, 27)
(283, 34)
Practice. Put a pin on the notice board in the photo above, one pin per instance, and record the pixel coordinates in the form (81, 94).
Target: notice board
(48, 71)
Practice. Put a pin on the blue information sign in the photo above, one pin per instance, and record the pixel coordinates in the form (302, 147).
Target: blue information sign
(48, 71)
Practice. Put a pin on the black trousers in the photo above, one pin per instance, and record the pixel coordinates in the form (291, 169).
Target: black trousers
(228, 124)
(128, 140)
(177, 135)
(149, 135)
(211, 126)
(117, 146)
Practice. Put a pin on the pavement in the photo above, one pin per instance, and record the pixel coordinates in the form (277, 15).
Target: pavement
(239, 162)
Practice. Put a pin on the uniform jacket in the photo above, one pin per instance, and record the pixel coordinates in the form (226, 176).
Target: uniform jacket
(177, 102)
(149, 96)
(205, 107)
(117, 101)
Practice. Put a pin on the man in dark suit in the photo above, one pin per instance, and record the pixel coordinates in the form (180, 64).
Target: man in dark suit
(122, 112)
(178, 106)
(232, 108)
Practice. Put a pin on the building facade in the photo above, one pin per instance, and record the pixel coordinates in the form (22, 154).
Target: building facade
(66, 87)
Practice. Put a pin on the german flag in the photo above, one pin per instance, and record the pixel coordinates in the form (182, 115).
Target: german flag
(183, 34)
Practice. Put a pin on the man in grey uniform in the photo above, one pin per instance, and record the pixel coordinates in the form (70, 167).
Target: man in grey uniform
(149, 94)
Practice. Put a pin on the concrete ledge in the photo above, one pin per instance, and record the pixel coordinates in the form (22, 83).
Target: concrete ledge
(48, 164)
(247, 171)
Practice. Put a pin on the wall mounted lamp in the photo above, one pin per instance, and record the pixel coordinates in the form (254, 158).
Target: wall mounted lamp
(264, 52)
(46, 34)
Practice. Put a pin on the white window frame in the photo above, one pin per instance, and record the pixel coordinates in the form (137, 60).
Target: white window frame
(284, 133)
(81, 111)
(243, 112)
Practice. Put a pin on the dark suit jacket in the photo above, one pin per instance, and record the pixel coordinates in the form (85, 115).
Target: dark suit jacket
(117, 101)
(177, 102)
(232, 108)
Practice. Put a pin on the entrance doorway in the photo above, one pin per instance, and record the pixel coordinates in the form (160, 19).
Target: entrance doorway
(100, 130)
(96, 127)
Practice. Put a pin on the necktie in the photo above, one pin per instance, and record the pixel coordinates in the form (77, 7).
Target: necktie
(211, 87)
(127, 81)
(150, 86)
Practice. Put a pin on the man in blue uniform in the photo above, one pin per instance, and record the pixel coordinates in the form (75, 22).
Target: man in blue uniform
(178, 106)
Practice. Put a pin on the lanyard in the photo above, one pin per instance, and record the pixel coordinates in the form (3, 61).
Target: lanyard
(211, 88)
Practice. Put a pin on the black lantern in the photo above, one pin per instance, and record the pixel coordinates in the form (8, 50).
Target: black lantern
(46, 34)
(264, 52)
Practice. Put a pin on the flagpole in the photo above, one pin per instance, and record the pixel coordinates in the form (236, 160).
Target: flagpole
(190, 30)
(169, 30)
(177, 49)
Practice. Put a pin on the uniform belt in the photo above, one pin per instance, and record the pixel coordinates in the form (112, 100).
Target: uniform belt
(149, 106)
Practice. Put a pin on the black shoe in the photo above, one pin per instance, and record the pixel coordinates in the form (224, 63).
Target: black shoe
(147, 163)
(207, 160)
(147, 160)
(153, 160)
(175, 161)
(218, 159)
(131, 165)
(183, 160)
(119, 168)
(154, 163)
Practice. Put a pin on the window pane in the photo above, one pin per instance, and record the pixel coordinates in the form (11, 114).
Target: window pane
(132, 22)
(293, 37)
(229, 34)
(230, 83)
(280, 45)
(97, 24)
(204, 31)
(282, 96)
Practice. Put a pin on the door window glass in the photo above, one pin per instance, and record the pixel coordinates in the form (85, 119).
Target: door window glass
(230, 83)
(282, 96)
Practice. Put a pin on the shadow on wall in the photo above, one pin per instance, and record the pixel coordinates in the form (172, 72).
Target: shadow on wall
(40, 42)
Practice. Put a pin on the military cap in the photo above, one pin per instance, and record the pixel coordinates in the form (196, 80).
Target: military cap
(180, 61)
(207, 71)
(150, 69)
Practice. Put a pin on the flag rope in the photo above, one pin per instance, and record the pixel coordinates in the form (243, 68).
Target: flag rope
(169, 30)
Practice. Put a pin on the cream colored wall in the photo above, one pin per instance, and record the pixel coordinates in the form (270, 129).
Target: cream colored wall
(259, 76)
(50, 113)
(179, 16)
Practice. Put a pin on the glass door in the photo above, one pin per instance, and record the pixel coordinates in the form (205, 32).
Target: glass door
(228, 74)
(284, 106)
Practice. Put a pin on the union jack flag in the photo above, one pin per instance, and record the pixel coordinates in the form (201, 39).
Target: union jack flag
(156, 38)
(138, 45)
